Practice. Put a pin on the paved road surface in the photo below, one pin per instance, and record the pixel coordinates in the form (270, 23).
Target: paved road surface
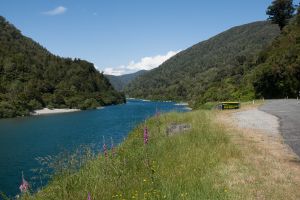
(288, 112)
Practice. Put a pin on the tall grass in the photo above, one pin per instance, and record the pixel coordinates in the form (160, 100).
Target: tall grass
(181, 166)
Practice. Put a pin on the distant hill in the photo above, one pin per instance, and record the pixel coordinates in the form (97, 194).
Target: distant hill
(120, 82)
(211, 70)
(32, 78)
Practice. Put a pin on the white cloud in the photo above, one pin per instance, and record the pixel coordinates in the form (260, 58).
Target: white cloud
(146, 63)
(113, 71)
(56, 11)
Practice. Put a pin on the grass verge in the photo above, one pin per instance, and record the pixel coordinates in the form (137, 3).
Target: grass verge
(267, 169)
(182, 166)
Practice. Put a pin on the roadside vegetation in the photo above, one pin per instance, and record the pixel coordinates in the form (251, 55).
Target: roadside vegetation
(277, 74)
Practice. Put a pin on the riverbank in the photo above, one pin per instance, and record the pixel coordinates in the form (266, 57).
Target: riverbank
(169, 166)
(47, 111)
(212, 159)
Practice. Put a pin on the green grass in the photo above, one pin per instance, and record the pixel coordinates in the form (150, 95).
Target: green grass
(182, 166)
(208, 106)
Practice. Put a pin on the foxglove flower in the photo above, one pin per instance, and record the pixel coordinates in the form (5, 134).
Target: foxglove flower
(145, 135)
(105, 150)
(157, 114)
(112, 147)
(24, 186)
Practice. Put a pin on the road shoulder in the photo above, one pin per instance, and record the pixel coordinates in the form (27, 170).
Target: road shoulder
(270, 169)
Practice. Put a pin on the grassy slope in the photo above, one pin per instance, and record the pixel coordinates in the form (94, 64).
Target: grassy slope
(181, 166)
(211, 161)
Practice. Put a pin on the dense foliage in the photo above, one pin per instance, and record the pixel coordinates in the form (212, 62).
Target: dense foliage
(213, 70)
(33, 78)
(278, 72)
(120, 82)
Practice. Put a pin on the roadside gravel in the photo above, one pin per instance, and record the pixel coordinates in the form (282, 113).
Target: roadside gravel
(256, 119)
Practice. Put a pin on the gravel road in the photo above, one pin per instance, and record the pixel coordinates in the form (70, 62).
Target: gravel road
(256, 119)
(288, 112)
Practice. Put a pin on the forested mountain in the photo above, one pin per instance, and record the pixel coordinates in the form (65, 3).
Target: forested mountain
(209, 71)
(120, 82)
(32, 78)
(277, 74)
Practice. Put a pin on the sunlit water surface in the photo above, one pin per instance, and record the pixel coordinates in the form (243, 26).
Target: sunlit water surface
(22, 140)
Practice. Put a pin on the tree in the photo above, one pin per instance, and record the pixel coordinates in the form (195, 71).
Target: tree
(280, 12)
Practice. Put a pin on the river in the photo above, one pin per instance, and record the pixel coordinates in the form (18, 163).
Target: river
(24, 139)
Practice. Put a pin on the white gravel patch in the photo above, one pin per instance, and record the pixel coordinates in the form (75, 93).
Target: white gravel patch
(47, 111)
(256, 119)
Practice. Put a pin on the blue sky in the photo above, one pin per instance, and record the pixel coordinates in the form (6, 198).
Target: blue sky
(122, 36)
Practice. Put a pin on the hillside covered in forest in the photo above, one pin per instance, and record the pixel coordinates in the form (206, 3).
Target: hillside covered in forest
(120, 82)
(32, 78)
(277, 71)
(211, 70)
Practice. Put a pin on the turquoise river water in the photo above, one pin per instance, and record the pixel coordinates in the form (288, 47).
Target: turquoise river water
(24, 139)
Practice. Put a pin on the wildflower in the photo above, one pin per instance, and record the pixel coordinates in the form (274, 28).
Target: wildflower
(157, 114)
(24, 186)
(89, 196)
(145, 135)
(112, 147)
(105, 150)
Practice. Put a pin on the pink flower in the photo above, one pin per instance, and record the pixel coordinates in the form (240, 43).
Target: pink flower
(24, 186)
(145, 135)
(105, 150)
(157, 114)
(89, 196)
(112, 147)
